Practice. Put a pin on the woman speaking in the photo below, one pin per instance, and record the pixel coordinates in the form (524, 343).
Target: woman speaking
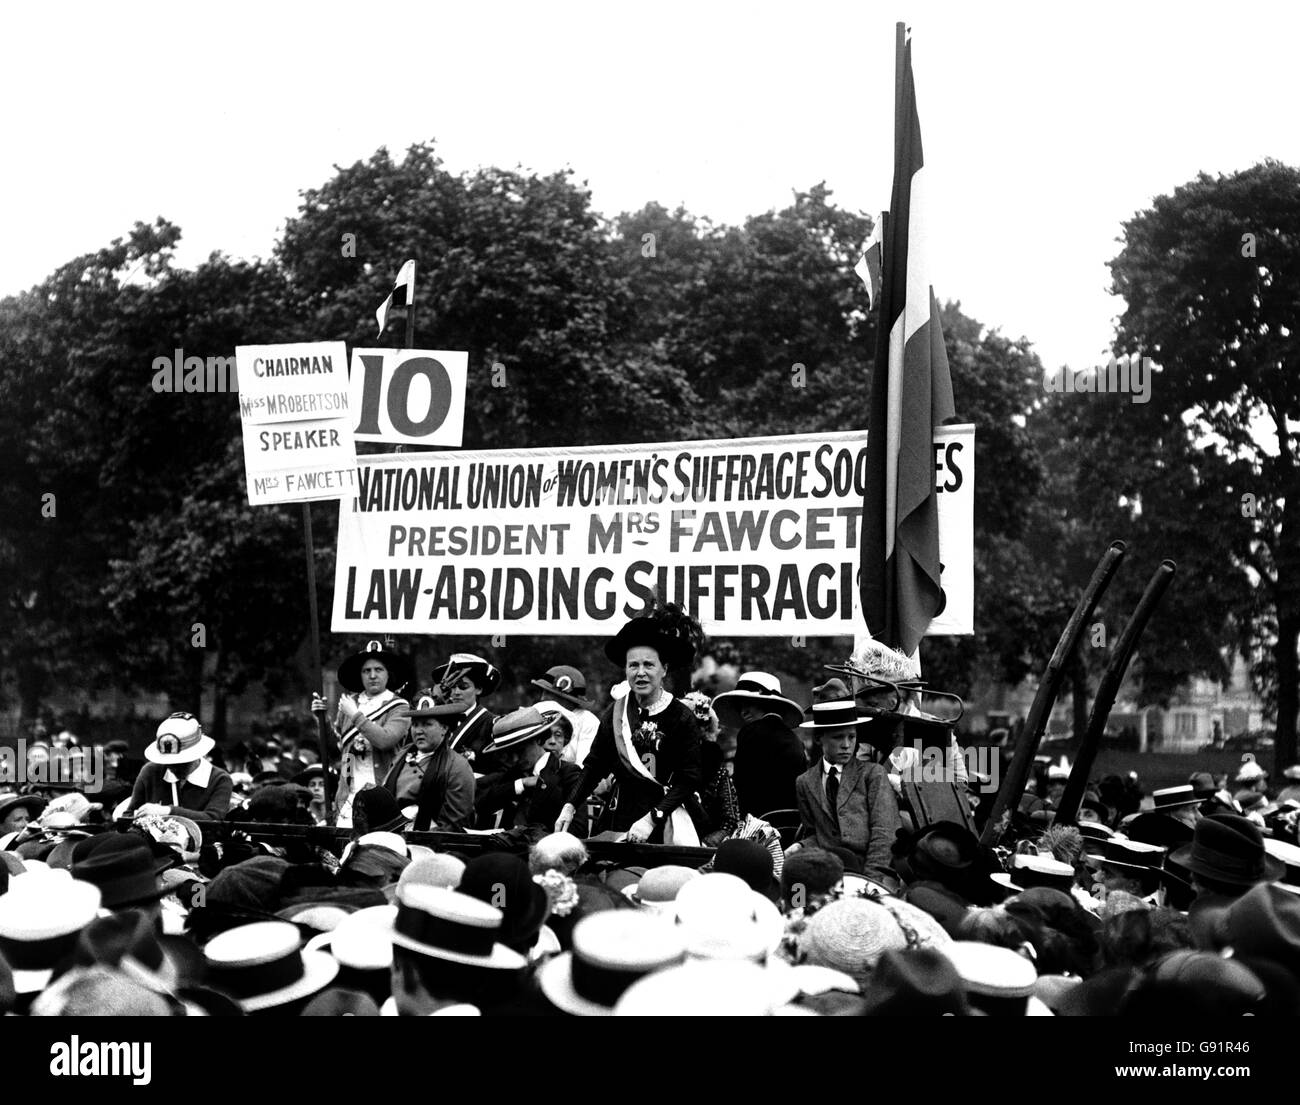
(648, 739)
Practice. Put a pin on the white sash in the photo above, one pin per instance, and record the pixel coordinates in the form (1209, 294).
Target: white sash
(359, 769)
(679, 828)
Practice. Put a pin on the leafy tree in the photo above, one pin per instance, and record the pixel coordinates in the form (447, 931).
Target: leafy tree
(1211, 279)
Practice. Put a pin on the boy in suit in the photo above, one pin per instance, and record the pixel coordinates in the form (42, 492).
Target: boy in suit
(845, 802)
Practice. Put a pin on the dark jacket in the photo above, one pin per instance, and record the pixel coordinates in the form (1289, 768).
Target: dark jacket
(676, 766)
(536, 810)
(473, 731)
(769, 758)
(446, 797)
(207, 803)
(866, 816)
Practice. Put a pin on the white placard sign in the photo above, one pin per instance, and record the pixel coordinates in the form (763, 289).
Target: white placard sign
(409, 396)
(293, 401)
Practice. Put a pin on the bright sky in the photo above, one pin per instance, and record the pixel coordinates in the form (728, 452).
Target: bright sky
(1044, 125)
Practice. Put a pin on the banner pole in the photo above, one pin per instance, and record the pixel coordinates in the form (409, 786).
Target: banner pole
(410, 306)
(322, 740)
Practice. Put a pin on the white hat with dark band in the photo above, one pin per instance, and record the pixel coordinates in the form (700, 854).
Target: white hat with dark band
(262, 965)
(827, 717)
(180, 740)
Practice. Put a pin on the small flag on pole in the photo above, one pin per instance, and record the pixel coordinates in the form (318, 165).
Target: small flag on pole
(402, 295)
(911, 394)
(868, 266)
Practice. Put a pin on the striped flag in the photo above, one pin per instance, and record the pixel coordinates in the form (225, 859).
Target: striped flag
(911, 394)
(402, 295)
(868, 266)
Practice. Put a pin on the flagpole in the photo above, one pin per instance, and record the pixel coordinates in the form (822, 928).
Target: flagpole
(322, 739)
(410, 308)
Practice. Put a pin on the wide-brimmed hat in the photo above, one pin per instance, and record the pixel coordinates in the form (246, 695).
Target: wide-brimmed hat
(756, 688)
(1289, 856)
(1029, 871)
(125, 871)
(485, 675)
(700, 988)
(567, 684)
(1250, 772)
(850, 935)
(990, 971)
(426, 704)
(720, 917)
(832, 716)
(33, 803)
(917, 983)
(1131, 857)
(262, 965)
(40, 919)
(170, 961)
(180, 740)
(448, 925)
(519, 727)
(658, 887)
(400, 669)
(361, 941)
(1170, 798)
(611, 951)
(1229, 849)
(670, 642)
(1264, 923)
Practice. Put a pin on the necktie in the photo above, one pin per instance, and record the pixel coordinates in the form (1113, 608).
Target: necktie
(833, 792)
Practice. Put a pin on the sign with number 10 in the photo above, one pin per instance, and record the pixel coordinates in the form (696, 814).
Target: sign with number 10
(409, 396)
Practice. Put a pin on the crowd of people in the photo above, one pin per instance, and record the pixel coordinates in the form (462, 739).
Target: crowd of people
(814, 873)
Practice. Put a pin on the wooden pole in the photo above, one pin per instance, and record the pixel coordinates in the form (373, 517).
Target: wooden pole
(410, 307)
(322, 738)
(1068, 811)
(1041, 709)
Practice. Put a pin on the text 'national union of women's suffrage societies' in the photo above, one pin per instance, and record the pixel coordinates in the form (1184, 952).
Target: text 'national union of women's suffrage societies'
(756, 537)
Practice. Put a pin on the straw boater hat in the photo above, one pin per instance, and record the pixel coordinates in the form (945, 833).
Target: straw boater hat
(720, 917)
(756, 688)
(831, 715)
(180, 740)
(703, 989)
(41, 917)
(611, 951)
(399, 668)
(262, 965)
(518, 727)
(993, 972)
(567, 684)
(485, 675)
(1171, 798)
(1028, 871)
(1128, 857)
(449, 925)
